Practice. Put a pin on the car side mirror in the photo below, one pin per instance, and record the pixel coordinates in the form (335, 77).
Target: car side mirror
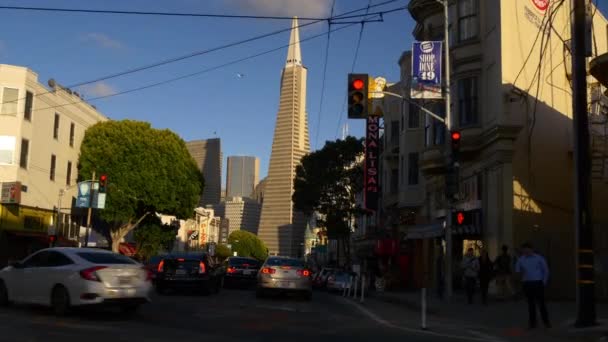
(16, 264)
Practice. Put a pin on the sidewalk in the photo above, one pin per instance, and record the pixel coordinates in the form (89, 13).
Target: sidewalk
(505, 318)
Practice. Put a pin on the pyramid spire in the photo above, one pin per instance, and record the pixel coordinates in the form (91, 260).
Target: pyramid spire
(294, 56)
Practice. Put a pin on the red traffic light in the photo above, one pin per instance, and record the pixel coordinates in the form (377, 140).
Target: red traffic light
(456, 136)
(52, 238)
(103, 178)
(460, 217)
(358, 84)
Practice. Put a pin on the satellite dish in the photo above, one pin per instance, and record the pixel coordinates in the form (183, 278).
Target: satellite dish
(52, 83)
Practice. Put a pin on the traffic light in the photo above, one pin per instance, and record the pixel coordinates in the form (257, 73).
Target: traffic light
(358, 96)
(455, 141)
(103, 183)
(52, 240)
(462, 218)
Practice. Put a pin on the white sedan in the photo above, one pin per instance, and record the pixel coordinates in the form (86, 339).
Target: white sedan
(64, 277)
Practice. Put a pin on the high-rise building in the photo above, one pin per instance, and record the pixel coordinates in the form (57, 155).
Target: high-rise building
(282, 228)
(241, 214)
(208, 157)
(242, 175)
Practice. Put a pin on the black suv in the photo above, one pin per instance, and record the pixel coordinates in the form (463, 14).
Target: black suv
(241, 271)
(193, 271)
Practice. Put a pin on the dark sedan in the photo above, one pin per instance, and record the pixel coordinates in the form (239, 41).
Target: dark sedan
(241, 271)
(192, 271)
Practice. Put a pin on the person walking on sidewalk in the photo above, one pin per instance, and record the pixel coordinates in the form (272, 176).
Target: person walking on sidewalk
(504, 271)
(486, 272)
(470, 265)
(535, 274)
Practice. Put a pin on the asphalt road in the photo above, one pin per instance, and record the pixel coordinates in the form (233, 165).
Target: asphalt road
(232, 315)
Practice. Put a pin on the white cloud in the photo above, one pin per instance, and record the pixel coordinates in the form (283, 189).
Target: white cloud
(98, 89)
(103, 40)
(301, 8)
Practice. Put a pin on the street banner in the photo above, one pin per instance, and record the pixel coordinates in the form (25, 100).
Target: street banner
(426, 70)
(83, 199)
(371, 174)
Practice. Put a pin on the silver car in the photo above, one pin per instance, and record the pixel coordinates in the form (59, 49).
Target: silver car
(283, 274)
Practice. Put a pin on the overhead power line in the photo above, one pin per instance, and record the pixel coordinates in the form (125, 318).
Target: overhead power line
(207, 51)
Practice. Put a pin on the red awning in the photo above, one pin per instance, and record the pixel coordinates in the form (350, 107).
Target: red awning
(127, 249)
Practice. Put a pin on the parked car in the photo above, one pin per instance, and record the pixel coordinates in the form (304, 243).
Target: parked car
(65, 277)
(337, 280)
(241, 271)
(193, 271)
(283, 274)
(320, 279)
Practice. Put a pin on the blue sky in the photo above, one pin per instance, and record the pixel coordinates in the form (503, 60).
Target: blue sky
(241, 111)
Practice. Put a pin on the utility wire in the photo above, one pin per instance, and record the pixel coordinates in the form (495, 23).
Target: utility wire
(324, 77)
(198, 72)
(203, 52)
(352, 69)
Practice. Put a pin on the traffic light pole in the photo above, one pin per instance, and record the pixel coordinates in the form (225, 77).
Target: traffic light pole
(90, 212)
(448, 125)
(586, 315)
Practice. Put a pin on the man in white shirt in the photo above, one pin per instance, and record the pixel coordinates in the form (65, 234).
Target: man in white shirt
(535, 274)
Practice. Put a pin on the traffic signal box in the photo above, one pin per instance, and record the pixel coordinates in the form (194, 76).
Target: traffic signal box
(358, 93)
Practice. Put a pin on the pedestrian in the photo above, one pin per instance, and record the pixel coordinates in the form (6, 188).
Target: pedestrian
(486, 273)
(470, 265)
(504, 270)
(534, 274)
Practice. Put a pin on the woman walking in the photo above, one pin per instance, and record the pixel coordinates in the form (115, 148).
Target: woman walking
(486, 272)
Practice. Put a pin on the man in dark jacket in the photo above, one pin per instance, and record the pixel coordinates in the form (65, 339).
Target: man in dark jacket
(504, 273)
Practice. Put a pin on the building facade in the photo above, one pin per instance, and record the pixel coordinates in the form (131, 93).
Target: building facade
(281, 227)
(512, 103)
(242, 176)
(208, 157)
(41, 130)
(241, 213)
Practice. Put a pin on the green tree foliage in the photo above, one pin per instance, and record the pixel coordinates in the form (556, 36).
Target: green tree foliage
(148, 170)
(222, 251)
(327, 181)
(152, 237)
(247, 244)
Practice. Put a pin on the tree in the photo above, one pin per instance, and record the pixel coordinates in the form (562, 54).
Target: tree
(247, 244)
(152, 237)
(148, 171)
(327, 181)
(222, 251)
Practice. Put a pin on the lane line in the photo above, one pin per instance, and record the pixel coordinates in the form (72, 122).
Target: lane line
(381, 321)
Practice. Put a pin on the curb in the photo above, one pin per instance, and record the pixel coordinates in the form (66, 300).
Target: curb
(408, 303)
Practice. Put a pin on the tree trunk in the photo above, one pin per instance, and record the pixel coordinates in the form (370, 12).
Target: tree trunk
(119, 233)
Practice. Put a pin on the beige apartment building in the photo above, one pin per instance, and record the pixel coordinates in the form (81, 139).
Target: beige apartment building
(515, 116)
(41, 130)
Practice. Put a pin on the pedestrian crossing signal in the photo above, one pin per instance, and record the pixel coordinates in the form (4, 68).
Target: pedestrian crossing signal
(462, 218)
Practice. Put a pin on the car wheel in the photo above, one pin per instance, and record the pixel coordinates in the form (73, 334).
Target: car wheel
(4, 301)
(60, 300)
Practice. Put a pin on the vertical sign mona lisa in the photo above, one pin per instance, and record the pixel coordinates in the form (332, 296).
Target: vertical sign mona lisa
(370, 180)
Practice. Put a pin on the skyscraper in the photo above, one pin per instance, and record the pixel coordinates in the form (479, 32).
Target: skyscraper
(243, 174)
(281, 227)
(208, 157)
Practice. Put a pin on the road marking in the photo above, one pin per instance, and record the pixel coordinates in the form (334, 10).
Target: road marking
(381, 321)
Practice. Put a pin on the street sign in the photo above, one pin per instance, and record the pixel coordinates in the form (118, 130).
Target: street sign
(426, 70)
(99, 201)
(84, 197)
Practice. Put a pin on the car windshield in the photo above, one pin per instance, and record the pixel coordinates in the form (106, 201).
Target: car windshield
(243, 262)
(285, 262)
(105, 258)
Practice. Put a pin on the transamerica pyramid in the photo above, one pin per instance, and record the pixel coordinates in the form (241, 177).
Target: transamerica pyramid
(281, 227)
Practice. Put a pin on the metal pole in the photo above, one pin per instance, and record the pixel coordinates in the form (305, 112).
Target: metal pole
(448, 124)
(86, 238)
(423, 294)
(586, 315)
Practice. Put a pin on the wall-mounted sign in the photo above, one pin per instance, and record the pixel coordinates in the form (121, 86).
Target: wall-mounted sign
(10, 193)
(370, 179)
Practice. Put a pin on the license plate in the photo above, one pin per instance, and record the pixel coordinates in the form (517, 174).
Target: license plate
(180, 272)
(124, 280)
(247, 272)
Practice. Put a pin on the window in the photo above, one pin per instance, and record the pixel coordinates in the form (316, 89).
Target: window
(56, 259)
(468, 101)
(53, 164)
(10, 97)
(33, 222)
(56, 127)
(394, 181)
(39, 259)
(29, 103)
(105, 258)
(25, 150)
(68, 179)
(414, 117)
(394, 133)
(7, 149)
(72, 129)
(412, 178)
(284, 262)
(468, 25)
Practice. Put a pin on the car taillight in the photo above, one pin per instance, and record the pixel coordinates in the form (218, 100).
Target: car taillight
(231, 270)
(304, 273)
(90, 273)
(161, 266)
(268, 270)
(201, 267)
